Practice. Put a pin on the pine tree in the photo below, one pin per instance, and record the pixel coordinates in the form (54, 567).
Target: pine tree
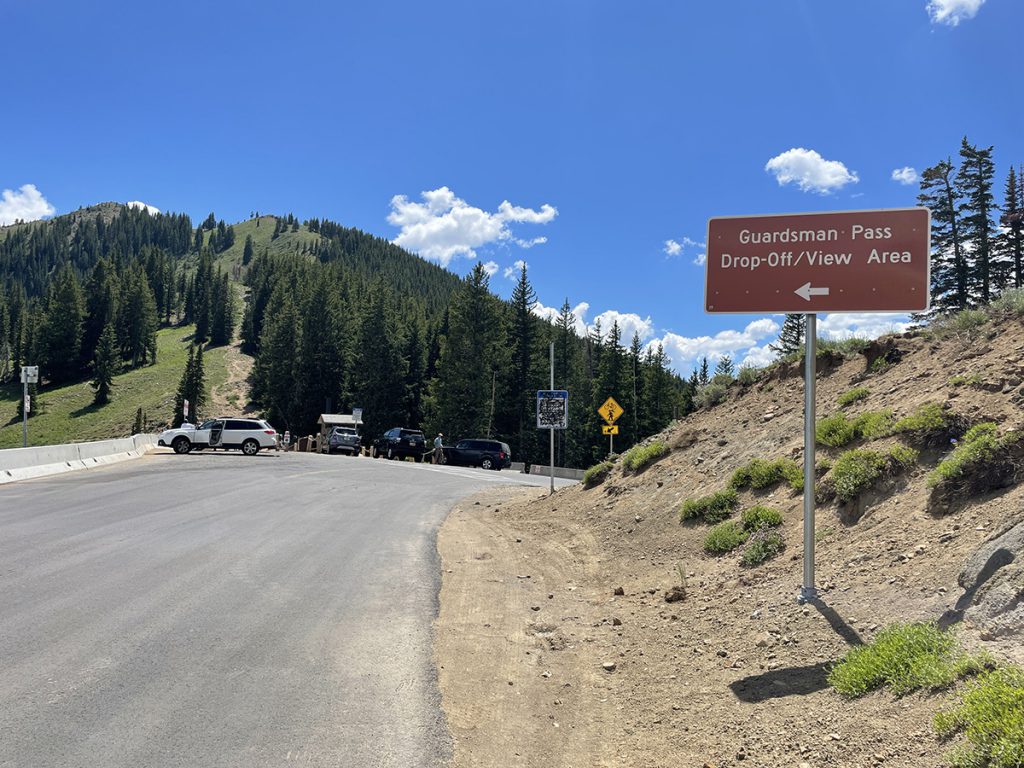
(949, 268)
(247, 250)
(104, 365)
(321, 358)
(184, 391)
(140, 320)
(791, 337)
(725, 368)
(635, 395)
(1012, 239)
(704, 377)
(523, 379)
(60, 336)
(415, 374)
(974, 181)
(277, 363)
(378, 370)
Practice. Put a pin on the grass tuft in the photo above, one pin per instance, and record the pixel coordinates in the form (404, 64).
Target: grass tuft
(711, 395)
(760, 474)
(981, 443)
(963, 323)
(712, 509)
(991, 716)
(856, 471)
(1010, 302)
(597, 474)
(763, 545)
(747, 375)
(724, 538)
(639, 456)
(760, 517)
(927, 419)
(852, 396)
(839, 429)
(904, 658)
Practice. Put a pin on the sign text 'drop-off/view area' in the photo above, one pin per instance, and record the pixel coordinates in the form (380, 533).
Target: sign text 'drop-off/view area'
(854, 261)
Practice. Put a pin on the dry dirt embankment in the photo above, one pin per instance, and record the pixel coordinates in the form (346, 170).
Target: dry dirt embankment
(735, 673)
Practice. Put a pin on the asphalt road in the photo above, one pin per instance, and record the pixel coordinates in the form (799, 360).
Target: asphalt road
(221, 610)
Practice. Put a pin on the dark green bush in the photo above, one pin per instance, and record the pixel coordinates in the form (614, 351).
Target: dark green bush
(763, 545)
(712, 509)
(760, 474)
(991, 716)
(724, 538)
(981, 444)
(856, 471)
(759, 517)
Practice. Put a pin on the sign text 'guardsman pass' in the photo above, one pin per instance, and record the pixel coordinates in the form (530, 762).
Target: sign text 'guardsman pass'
(855, 261)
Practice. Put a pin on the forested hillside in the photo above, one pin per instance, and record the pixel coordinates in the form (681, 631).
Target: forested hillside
(333, 317)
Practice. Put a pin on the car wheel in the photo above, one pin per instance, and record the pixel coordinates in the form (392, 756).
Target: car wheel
(391, 455)
(419, 458)
(250, 447)
(487, 463)
(181, 445)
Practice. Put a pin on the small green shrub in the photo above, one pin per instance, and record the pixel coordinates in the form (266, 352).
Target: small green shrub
(760, 474)
(963, 380)
(991, 716)
(981, 443)
(852, 396)
(965, 322)
(724, 538)
(838, 430)
(639, 456)
(763, 545)
(904, 658)
(759, 517)
(747, 375)
(711, 395)
(711, 509)
(1010, 302)
(856, 471)
(845, 347)
(928, 418)
(880, 365)
(597, 474)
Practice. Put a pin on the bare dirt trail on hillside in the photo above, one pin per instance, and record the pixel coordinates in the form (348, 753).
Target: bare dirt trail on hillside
(232, 395)
(735, 674)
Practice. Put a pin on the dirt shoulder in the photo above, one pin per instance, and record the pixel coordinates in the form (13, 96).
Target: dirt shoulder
(735, 674)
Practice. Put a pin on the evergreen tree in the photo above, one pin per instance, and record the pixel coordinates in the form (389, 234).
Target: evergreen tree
(1012, 239)
(247, 250)
(276, 365)
(460, 396)
(791, 337)
(725, 368)
(191, 387)
(635, 395)
(415, 375)
(523, 380)
(974, 181)
(140, 320)
(104, 365)
(704, 378)
(321, 359)
(378, 370)
(62, 325)
(950, 284)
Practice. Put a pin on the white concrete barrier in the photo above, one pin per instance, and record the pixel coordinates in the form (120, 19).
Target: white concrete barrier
(517, 466)
(40, 461)
(563, 472)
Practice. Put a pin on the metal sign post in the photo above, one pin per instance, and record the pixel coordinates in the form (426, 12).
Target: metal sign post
(808, 591)
(610, 411)
(552, 413)
(29, 375)
(841, 261)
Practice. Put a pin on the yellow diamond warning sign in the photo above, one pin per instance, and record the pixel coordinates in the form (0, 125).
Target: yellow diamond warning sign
(610, 410)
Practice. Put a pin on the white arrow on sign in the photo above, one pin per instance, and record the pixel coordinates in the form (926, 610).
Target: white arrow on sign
(805, 291)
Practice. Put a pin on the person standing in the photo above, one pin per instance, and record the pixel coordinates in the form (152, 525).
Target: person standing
(439, 448)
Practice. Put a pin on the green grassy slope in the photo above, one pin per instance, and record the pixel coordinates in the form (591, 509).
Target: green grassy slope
(262, 241)
(66, 413)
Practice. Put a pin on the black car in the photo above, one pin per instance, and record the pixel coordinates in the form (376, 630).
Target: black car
(398, 443)
(489, 454)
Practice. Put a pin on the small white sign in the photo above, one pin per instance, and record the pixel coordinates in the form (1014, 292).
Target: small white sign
(28, 403)
(357, 415)
(184, 409)
(30, 374)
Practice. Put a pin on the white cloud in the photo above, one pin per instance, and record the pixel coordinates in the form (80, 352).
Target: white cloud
(444, 227)
(676, 248)
(629, 323)
(551, 315)
(905, 175)
(152, 209)
(810, 171)
(27, 204)
(491, 267)
(512, 273)
(952, 12)
(684, 351)
(864, 325)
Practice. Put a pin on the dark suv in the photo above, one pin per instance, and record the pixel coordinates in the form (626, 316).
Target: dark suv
(398, 443)
(489, 454)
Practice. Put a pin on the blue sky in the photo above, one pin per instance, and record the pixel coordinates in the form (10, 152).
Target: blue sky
(581, 136)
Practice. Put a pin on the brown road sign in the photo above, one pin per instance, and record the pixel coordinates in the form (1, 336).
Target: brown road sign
(854, 261)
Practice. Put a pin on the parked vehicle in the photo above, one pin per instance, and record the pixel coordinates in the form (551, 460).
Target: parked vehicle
(488, 454)
(247, 435)
(343, 439)
(399, 442)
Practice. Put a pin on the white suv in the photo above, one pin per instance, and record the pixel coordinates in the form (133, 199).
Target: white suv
(249, 435)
